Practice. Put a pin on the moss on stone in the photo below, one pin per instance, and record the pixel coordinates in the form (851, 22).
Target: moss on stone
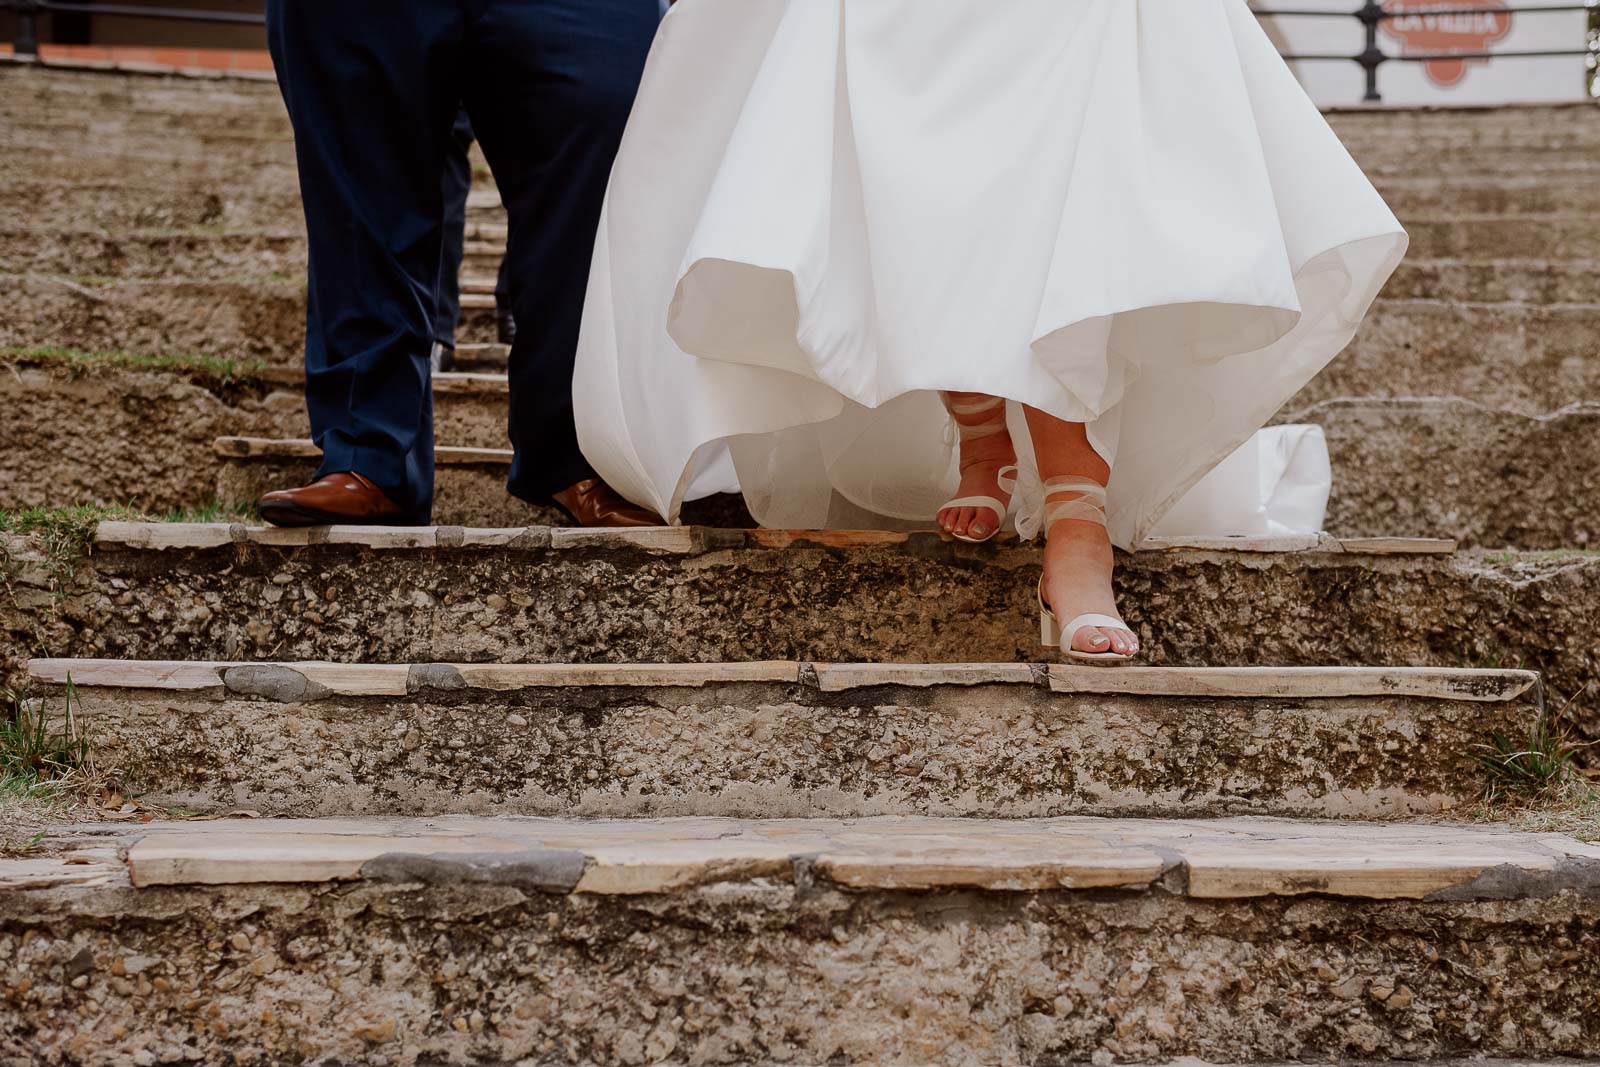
(208, 371)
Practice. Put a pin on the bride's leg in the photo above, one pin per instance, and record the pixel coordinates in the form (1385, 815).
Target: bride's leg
(984, 451)
(1078, 560)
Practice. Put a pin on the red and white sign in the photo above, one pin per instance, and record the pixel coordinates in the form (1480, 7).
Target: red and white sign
(1421, 27)
(1424, 27)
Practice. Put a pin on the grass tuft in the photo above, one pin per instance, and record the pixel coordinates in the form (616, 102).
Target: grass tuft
(63, 534)
(1532, 768)
(45, 751)
(203, 370)
(213, 511)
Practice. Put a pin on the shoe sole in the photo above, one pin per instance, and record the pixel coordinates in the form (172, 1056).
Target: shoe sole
(293, 516)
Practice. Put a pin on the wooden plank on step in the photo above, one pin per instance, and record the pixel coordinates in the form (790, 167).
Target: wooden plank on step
(1261, 544)
(1297, 683)
(128, 674)
(1398, 546)
(292, 448)
(839, 677)
(513, 676)
(826, 538)
(176, 858)
(666, 540)
(161, 535)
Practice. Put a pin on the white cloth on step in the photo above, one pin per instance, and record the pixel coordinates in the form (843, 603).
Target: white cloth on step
(1276, 485)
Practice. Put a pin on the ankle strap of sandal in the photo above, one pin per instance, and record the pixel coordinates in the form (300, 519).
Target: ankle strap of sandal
(976, 431)
(1087, 502)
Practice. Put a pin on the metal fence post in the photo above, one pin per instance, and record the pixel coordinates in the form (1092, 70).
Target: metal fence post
(1371, 14)
(27, 43)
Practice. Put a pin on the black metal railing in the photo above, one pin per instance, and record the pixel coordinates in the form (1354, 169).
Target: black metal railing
(1372, 14)
(26, 42)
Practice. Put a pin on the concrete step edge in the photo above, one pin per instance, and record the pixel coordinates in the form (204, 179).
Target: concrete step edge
(292, 681)
(1230, 859)
(177, 537)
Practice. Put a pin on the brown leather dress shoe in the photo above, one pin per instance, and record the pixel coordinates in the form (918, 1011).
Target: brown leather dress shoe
(346, 498)
(594, 503)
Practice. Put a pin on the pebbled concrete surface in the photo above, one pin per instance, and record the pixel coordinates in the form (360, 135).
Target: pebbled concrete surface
(921, 600)
(398, 973)
(787, 750)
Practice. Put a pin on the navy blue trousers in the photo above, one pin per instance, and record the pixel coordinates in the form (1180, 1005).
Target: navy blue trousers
(457, 186)
(373, 88)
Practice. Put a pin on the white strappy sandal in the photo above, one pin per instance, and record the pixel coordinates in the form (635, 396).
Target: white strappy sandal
(966, 433)
(1089, 505)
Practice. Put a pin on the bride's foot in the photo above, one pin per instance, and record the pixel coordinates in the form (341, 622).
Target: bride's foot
(1078, 564)
(979, 509)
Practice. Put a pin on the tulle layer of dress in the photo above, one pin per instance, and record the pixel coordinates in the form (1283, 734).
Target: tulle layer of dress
(1125, 213)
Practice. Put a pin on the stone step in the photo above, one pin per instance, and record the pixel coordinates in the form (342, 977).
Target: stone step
(1531, 128)
(1540, 282)
(1446, 193)
(789, 738)
(1410, 468)
(118, 204)
(801, 941)
(1547, 242)
(1532, 357)
(487, 357)
(216, 155)
(174, 591)
(63, 91)
(1551, 237)
(189, 200)
(237, 320)
(153, 255)
(1455, 235)
(1486, 480)
(156, 427)
(1527, 358)
(110, 103)
(1485, 477)
(470, 482)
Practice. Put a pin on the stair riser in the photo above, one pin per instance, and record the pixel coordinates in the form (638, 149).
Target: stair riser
(921, 600)
(1486, 478)
(765, 750)
(1530, 359)
(181, 201)
(1480, 282)
(1443, 195)
(1507, 238)
(261, 320)
(217, 159)
(154, 434)
(1563, 237)
(108, 106)
(742, 973)
(117, 204)
(198, 256)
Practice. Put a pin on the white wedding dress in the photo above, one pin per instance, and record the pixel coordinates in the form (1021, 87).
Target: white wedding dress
(1125, 213)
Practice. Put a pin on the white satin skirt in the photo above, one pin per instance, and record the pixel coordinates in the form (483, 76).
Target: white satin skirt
(1125, 213)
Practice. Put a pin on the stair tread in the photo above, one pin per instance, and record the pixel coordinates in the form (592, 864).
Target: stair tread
(120, 534)
(263, 678)
(305, 448)
(1234, 858)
